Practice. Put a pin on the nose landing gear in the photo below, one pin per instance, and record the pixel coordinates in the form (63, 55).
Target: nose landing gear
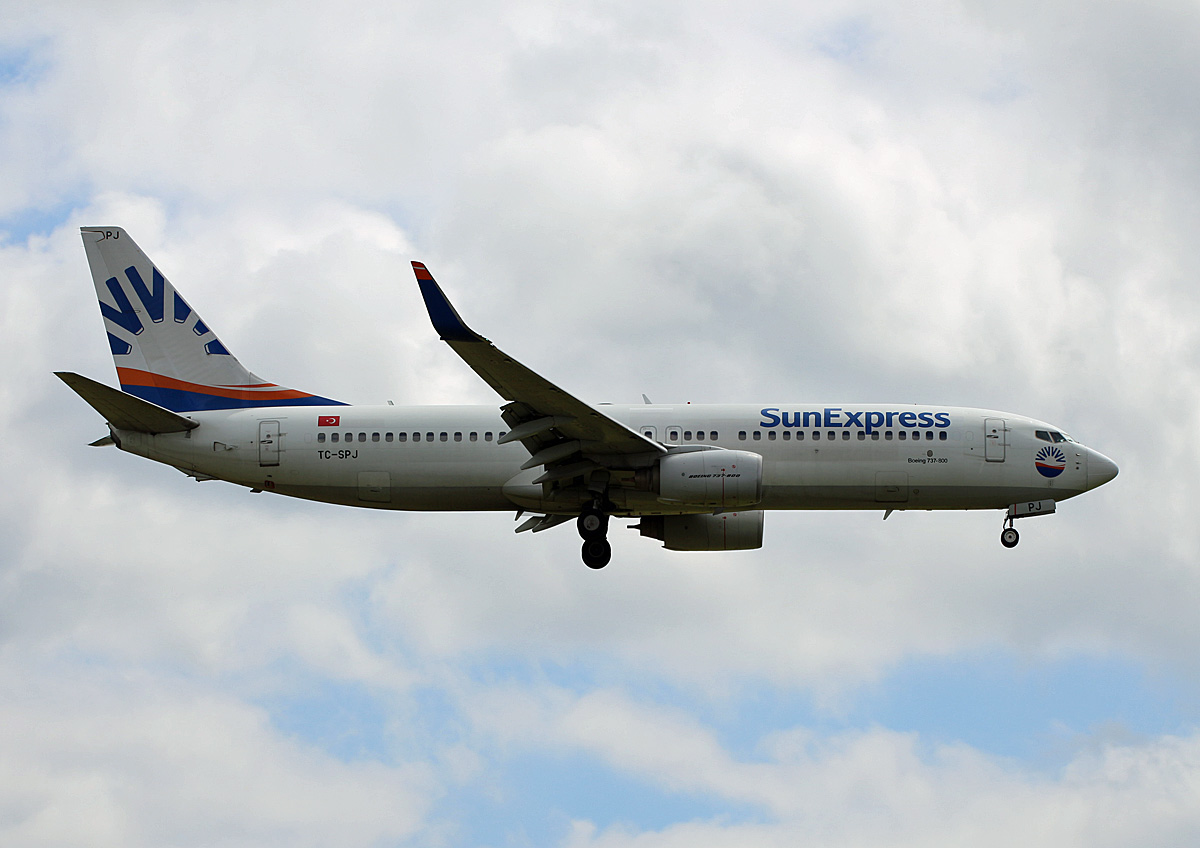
(593, 529)
(1009, 536)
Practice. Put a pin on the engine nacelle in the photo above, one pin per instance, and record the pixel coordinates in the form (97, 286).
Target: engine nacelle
(723, 479)
(728, 531)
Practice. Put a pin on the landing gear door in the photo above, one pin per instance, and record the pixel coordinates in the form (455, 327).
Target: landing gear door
(268, 443)
(995, 439)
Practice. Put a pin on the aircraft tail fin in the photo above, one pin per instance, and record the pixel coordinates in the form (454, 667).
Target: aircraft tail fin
(164, 352)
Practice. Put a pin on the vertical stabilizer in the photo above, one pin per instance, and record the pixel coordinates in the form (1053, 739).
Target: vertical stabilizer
(163, 351)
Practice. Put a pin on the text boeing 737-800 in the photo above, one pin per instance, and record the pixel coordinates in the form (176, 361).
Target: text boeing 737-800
(698, 477)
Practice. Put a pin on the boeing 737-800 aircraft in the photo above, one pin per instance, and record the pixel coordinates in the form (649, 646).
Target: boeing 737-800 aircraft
(698, 477)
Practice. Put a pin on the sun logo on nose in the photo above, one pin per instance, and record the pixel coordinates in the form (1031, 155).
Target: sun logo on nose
(1050, 461)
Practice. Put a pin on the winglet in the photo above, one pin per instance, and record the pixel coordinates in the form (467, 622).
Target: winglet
(445, 319)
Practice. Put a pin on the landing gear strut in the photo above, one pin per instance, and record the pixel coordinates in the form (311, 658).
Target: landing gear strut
(593, 529)
(1009, 537)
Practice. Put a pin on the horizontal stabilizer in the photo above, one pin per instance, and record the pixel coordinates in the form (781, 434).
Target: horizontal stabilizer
(124, 411)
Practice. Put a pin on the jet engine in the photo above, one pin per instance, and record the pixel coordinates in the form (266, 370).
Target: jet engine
(714, 478)
(726, 531)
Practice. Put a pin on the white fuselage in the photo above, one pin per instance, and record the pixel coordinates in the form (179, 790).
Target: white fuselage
(448, 457)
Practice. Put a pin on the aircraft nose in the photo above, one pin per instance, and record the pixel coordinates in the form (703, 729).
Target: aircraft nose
(1101, 469)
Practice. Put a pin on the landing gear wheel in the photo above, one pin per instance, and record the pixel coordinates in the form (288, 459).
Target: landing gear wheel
(1009, 537)
(596, 553)
(592, 524)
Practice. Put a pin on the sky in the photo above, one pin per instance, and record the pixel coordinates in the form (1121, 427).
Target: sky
(982, 203)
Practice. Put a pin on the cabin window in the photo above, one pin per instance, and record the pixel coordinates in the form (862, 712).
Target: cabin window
(772, 435)
(712, 435)
(904, 435)
(333, 437)
(429, 437)
(500, 435)
(700, 435)
(787, 435)
(887, 435)
(687, 435)
(816, 435)
(362, 437)
(375, 437)
(416, 437)
(487, 437)
(349, 437)
(800, 436)
(845, 435)
(402, 437)
(387, 437)
(443, 436)
(673, 435)
(831, 435)
(875, 436)
(474, 437)
(458, 437)
(929, 435)
(321, 438)
(757, 435)
(862, 435)
(942, 436)
(741, 435)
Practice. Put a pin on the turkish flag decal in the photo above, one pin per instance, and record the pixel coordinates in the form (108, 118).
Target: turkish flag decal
(328, 420)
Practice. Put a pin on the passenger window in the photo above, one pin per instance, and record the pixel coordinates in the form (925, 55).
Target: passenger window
(862, 436)
(831, 435)
(687, 435)
(333, 437)
(402, 437)
(416, 437)
(741, 435)
(929, 435)
(845, 435)
(429, 437)
(500, 435)
(772, 435)
(942, 436)
(875, 436)
(673, 435)
(374, 437)
(443, 436)
(321, 438)
(904, 435)
(362, 437)
(799, 435)
(787, 435)
(757, 435)
(700, 435)
(712, 436)
(458, 437)
(816, 435)
(487, 437)
(349, 437)
(887, 435)
(387, 437)
(474, 437)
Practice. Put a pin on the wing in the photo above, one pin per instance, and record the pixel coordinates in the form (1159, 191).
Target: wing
(569, 437)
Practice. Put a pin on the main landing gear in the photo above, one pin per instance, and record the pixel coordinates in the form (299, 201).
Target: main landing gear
(593, 529)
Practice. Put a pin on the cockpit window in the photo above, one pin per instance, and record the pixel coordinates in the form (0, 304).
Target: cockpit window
(1042, 434)
(1058, 437)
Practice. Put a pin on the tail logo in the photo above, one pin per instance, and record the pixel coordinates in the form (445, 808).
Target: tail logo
(153, 300)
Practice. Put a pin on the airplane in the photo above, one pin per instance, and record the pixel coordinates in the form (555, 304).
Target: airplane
(695, 477)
